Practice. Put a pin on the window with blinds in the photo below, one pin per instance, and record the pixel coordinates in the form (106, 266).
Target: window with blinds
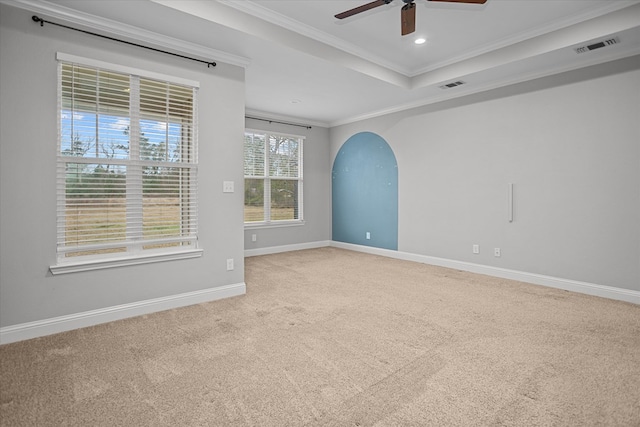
(273, 178)
(127, 164)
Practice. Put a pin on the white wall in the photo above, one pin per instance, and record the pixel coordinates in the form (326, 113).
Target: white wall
(28, 82)
(569, 143)
(316, 193)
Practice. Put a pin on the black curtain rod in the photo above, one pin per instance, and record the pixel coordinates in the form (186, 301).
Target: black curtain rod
(42, 22)
(275, 121)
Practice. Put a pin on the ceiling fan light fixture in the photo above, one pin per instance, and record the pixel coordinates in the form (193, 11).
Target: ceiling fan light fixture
(420, 40)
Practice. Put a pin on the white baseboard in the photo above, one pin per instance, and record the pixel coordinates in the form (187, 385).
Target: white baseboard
(536, 279)
(55, 325)
(286, 248)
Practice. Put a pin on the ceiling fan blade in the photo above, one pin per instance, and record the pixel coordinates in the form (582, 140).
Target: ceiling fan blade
(408, 18)
(362, 8)
(463, 1)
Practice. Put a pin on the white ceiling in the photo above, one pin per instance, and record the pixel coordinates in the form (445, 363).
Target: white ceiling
(304, 64)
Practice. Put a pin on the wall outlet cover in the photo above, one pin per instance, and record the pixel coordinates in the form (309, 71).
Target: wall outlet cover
(227, 187)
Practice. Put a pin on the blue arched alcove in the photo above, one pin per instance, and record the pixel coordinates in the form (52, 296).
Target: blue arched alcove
(365, 192)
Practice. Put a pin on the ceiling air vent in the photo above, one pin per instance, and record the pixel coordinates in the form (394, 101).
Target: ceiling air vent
(452, 84)
(597, 45)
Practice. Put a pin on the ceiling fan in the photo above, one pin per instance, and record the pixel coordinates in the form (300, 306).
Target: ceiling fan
(407, 13)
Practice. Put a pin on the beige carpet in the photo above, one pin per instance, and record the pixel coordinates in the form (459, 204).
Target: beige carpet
(329, 337)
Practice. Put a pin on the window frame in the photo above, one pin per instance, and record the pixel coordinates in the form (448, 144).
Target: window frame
(134, 252)
(267, 221)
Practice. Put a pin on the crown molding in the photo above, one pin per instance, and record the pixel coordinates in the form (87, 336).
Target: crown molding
(529, 34)
(266, 14)
(472, 90)
(114, 28)
(252, 8)
(224, 14)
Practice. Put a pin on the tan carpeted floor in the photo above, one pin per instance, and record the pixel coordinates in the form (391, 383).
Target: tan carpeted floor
(329, 337)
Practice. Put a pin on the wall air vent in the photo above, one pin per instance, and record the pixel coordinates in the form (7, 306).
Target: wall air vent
(452, 84)
(598, 45)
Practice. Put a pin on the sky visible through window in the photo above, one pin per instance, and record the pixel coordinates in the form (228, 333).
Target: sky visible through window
(106, 136)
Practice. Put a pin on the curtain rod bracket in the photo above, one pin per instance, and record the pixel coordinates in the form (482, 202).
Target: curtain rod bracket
(42, 21)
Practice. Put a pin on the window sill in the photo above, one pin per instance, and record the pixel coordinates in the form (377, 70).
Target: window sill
(249, 226)
(75, 267)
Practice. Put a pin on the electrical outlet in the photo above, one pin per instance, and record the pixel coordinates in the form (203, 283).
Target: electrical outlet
(496, 252)
(476, 249)
(254, 238)
(230, 264)
(368, 236)
(227, 187)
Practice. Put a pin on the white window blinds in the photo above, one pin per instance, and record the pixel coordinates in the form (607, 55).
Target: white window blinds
(127, 164)
(273, 177)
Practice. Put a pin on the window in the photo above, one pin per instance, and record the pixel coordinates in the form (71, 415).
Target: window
(272, 178)
(127, 164)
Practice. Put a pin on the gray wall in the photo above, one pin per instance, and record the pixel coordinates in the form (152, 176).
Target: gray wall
(28, 82)
(316, 192)
(569, 143)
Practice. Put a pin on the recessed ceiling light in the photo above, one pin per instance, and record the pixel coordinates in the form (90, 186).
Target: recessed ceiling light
(295, 101)
(419, 40)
